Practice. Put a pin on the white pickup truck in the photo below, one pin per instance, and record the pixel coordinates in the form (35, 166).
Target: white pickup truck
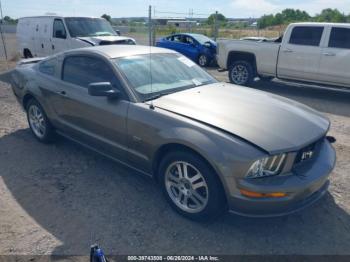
(307, 52)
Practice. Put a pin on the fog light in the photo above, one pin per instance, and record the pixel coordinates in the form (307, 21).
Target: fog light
(260, 195)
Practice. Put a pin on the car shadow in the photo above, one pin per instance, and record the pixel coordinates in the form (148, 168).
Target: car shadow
(80, 198)
(331, 100)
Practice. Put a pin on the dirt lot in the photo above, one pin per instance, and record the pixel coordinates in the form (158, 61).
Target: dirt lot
(60, 198)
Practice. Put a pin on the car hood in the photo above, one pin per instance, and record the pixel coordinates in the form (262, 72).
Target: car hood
(271, 122)
(96, 40)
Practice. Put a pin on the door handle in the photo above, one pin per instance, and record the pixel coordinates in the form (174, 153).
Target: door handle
(62, 93)
(53, 47)
(287, 50)
(329, 54)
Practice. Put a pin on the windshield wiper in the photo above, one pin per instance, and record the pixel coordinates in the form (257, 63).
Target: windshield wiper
(157, 96)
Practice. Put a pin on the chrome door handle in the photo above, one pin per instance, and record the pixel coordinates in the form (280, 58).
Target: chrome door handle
(287, 50)
(329, 54)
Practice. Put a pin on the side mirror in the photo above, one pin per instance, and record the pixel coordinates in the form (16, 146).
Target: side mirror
(103, 89)
(207, 44)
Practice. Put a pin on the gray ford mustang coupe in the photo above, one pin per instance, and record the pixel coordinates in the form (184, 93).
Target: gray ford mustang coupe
(211, 146)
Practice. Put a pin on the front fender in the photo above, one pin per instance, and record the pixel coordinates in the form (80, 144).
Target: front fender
(229, 156)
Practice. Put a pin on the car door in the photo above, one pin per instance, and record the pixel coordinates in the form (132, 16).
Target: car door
(176, 43)
(190, 49)
(300, 53)
(335, 58)
(96, 121)
(59, 38)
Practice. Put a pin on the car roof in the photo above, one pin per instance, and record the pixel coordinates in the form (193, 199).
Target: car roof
(115, 51)
(187, 34)
(321, 24)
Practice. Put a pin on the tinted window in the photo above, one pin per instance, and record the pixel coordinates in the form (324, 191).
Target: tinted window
(58, 29)
(340, 38)
(306, 35)
(82, 71)
(48, 67)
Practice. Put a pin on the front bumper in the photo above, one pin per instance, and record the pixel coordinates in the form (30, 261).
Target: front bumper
(306, 184)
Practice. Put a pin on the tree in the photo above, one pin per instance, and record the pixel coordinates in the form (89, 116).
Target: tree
(221, 19)
(286, 16)
(266, 20)
(107, 17)
(9, 20)
(330, 15)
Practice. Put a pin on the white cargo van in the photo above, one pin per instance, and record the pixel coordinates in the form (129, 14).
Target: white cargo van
(46, 35)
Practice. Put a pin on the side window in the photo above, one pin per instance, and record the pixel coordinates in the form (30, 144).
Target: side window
(177, 38)
(306, 35)
(340, 38)
(82, 71)
(189, 40)
(48, 67)
(58, 29)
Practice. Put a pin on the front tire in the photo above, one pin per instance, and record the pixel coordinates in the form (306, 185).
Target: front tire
(39, 123)
(191, 186)
(241, 73)
(203, 60)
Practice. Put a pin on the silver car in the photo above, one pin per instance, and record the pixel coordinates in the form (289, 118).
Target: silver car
(211, 146)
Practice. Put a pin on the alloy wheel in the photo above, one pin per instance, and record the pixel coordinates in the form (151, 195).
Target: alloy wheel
(186, 187)
(202, 60)
(239, 74)
(37, 120)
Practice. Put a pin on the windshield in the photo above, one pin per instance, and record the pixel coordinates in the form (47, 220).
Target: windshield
(202, 39)
(170, 73)
(85, 26)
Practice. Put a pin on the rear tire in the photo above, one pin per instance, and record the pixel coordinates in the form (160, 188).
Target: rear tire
(191, 186)
(241, 73)
(39, 124)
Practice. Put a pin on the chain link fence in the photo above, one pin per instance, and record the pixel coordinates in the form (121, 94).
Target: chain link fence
(163, 23)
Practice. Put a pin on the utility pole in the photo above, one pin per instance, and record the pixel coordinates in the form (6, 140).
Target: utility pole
(190, 15)
(2, 35)
(216, 26)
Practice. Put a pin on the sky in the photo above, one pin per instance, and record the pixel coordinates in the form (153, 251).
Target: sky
(127, 8)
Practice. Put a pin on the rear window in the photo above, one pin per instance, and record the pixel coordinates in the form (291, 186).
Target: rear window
(340, 38)
(306, 35)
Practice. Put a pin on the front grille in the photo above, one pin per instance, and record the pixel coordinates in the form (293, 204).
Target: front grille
(307, 152)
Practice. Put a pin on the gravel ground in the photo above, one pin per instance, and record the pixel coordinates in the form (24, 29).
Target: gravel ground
(60, 198)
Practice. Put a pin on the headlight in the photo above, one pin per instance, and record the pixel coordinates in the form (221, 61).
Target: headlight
(268, 166)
